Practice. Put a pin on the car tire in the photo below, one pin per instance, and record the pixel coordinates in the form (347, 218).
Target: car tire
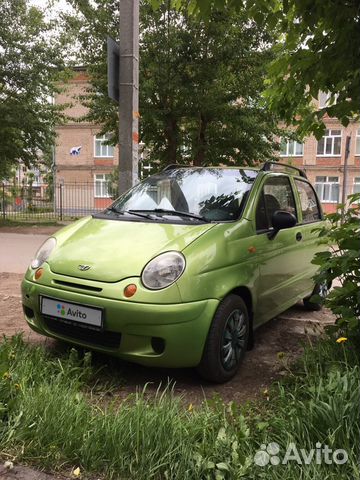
(321, 289)
(226, 342)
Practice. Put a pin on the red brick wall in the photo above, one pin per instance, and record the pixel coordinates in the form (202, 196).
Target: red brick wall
(328, 161)
(104, 162)
(329, 207)
(102, 202)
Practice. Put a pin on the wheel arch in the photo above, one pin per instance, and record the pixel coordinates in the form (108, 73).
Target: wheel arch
(245, 294)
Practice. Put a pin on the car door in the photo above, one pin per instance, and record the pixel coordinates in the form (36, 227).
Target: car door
(278, 259)
(310, 218)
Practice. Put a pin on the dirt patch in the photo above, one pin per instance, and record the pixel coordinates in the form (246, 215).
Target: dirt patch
(261, 366)
(24, 473)
(11, 316)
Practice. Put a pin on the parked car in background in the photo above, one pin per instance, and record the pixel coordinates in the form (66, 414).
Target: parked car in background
(182, 269)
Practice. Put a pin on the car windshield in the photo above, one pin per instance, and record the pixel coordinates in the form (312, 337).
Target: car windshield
(207, 194)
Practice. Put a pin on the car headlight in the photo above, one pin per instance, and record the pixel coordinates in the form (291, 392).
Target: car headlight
(163, 270)
(43, 253)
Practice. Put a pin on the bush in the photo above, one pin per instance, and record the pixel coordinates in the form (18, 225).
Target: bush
(342, 262)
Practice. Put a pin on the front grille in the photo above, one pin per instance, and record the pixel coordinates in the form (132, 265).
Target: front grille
(78, 285)
(86, 334)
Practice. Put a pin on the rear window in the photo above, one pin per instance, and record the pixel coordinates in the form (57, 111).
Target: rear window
(308, 201)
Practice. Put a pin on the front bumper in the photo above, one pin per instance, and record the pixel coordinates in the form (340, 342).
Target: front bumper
(162, 335)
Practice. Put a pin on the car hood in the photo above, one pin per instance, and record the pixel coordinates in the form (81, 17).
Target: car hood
(115, 250)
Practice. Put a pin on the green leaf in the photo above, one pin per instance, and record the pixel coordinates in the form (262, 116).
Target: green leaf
(262, 426)
(221, 436)
(350, 243)
(155, 4)
(354, 323)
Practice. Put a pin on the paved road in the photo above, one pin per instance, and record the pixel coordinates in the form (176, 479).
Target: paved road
(17, 251)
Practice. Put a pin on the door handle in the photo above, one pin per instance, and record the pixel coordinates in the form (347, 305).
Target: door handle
(299, 236)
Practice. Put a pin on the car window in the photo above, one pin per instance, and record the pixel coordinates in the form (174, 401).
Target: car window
(217, 194)
(309, 204)
(276, 195)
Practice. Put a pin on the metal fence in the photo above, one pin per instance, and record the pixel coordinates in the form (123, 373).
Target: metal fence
(43, 202)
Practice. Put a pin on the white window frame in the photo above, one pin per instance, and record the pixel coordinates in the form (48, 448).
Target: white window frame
(322, 185)
(106, 148)
(356, 183)
(326, 96)
(104, 188)
(145, 169)
(293, 144)
(332, 137)
(357, 142)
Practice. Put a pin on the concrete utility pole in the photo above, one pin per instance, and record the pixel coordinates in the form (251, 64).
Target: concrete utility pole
(128, 94)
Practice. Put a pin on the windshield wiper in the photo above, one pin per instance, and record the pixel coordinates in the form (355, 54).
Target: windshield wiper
(176, 213)
(136, 212)
(132, 212)
(114, 210)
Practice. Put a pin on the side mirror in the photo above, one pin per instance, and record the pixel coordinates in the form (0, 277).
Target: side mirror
(280, 220)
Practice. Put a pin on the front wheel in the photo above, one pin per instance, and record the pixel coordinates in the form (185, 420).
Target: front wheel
(227, 341)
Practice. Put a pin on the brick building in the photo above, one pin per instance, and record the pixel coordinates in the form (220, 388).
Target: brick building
(82, 156)
(324, 160)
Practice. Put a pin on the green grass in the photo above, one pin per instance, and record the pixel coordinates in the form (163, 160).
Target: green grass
(50, 419)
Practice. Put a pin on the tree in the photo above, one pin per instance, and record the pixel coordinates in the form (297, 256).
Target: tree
(29, 69)
(200, 83)
(318, 50)
(162, 85)
(205, 80)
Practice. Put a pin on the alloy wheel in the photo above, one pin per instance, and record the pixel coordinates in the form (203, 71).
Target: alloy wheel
(233, 341)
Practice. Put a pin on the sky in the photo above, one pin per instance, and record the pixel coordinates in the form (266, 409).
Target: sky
(43, 3)
(60, 5)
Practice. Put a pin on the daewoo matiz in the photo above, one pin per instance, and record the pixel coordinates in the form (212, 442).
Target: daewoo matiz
(180, 270)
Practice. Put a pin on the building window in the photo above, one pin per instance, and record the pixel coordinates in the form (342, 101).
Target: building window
(356, 188)
(330, 144)
(357, 145)
(102, 181)
(291, 148)
(327, 189)
(325, 99)
(101, 149)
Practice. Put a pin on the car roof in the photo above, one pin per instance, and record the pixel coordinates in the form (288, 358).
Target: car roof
(270, 166)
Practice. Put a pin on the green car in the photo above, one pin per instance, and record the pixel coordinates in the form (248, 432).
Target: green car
(181, 270)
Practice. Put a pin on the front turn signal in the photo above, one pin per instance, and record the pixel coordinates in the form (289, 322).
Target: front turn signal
(130, 290)
(38, 273)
